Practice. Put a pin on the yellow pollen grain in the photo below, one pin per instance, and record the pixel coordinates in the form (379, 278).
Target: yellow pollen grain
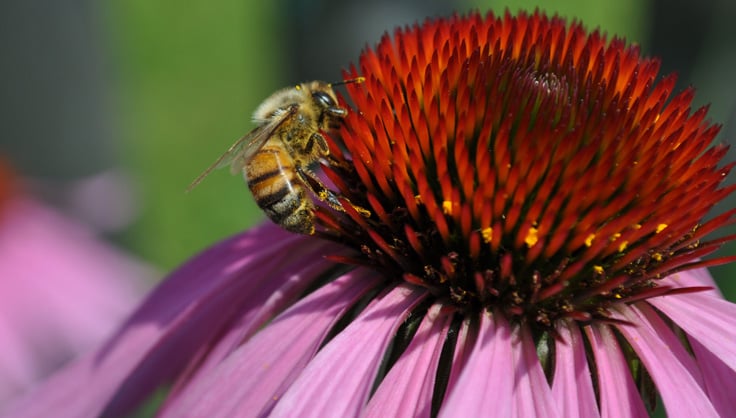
(661, 227)
(636, 226)
(598, 269)
(362, 211)
(589, 240)
(447, 207)
(657, 257)
(616, 236)
(531, 237)
(418, 199)
(487, 234)
(623, 246)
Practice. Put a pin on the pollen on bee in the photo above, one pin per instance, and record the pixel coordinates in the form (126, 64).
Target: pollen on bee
(362, 211)
(622, 246)
(418, 199)
(531, 237)
(487, 234)
(447, 207)
(598, 269)
(661, 227)
(657, 256)
(589, 240)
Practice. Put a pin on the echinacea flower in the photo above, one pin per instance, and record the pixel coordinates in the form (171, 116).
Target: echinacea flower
(62, 290)
(536, 245)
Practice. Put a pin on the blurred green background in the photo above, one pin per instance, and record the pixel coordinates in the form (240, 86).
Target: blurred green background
(154, 91)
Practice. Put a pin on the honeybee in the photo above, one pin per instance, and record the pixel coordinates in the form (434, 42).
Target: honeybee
(275, 156)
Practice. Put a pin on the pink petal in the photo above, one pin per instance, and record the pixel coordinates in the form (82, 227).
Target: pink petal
(619, 397)
(338, 380)
(719, 379)
(258, 372)
(408, 388)
(226, 283)
(464, 345)
(709, 320)
(694, 278)
(572, 385)
(289, 281)
(532, 395)
(486, 380)
(62, 291)
(667, 362)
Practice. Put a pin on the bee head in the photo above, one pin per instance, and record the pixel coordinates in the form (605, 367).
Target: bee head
(323, 98)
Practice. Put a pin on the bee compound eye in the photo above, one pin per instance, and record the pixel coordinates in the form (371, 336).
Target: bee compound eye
(324, 99)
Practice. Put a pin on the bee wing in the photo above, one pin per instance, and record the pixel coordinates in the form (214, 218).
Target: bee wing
(241, 152)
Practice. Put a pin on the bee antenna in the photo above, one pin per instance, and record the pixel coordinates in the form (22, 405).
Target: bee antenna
(349, 81)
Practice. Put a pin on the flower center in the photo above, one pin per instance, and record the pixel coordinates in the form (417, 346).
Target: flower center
(523, 165)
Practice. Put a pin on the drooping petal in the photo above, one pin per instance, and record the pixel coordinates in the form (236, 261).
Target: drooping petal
(719, 379)
(670, 366)
(291, 278)
(709, 320)
(484, 385)
(532, 395)
(619, 397)
(572, 386)
(718, 375)
(464, 346)
(337, 381)
(408, 388)
(257, 373)
(186, 311)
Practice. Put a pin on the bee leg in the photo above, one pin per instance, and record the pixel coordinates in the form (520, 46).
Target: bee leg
(324, 194)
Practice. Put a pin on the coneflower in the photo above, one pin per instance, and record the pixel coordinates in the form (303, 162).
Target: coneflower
(537, 241)
(62, 289)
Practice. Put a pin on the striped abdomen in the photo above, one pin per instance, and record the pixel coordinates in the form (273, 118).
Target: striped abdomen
(277, 188)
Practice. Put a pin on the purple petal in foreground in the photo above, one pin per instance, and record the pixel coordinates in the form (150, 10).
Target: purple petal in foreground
(262, 297)
(719, 379)
(208, 294)
(719, 376)
(257, 373)
(337, 381)
(618, 394)
(464, 345)
(671, 368)
(572, 386)
(485, 382)
(532, 395)
(709, 320)
(408, 388)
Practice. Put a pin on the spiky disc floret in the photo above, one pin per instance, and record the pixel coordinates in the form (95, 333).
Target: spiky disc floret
(523, 164)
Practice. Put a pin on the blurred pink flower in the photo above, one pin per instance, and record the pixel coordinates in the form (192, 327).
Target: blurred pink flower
(536, 246)
(62, 290)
